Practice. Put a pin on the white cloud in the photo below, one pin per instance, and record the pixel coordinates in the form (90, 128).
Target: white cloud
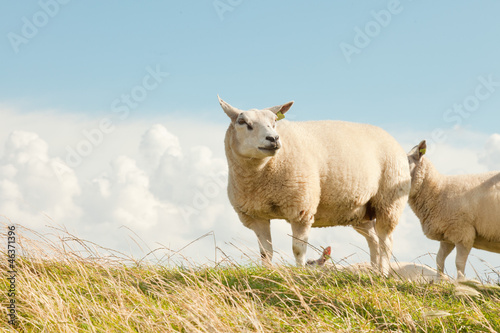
(138, 181)
(29, 185)
(164, 184)
(157, 142)
(491, 155)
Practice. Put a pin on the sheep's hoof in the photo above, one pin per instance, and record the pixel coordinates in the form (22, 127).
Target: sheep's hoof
(442, 278)
(266, 260)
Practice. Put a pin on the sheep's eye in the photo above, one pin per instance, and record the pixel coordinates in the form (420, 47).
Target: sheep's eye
(243, 122)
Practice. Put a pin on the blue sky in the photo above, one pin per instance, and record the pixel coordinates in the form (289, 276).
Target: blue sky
(260, 53)
(411, 67)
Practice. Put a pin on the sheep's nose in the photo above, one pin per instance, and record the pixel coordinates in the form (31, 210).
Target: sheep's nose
(273, 138)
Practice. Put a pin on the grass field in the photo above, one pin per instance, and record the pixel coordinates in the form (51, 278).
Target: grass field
(59, 289)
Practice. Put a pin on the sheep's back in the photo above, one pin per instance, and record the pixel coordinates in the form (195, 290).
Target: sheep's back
(478, 196)
(460, 207)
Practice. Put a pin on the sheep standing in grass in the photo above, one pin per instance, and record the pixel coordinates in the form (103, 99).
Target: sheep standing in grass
(315, 174)
(458, 211)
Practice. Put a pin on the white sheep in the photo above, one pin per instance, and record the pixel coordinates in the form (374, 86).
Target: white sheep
(458, 211)
(407, 271)
(315, 174)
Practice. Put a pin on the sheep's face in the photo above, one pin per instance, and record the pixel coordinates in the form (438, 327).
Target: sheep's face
(255, 134)
(415, 156)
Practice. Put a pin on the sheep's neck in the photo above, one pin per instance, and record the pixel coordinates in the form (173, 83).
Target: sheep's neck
(426, 185)
(247, 167)
(246, 175)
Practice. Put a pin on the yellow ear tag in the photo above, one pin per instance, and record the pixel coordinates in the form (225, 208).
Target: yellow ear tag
(422, 151)
(280, 115)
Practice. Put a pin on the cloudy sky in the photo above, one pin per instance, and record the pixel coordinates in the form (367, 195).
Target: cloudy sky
(110, 126)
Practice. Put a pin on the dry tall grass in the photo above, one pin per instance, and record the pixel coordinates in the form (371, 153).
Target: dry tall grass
(63, 288)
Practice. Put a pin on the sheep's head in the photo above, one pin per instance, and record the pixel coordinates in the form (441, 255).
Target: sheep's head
(415, 156)
(322, 260)
(255, 131)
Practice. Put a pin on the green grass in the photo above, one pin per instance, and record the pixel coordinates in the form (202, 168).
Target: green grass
(99, 294)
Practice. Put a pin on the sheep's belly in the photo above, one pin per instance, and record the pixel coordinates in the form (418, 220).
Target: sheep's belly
(484, 244)
(344, 217)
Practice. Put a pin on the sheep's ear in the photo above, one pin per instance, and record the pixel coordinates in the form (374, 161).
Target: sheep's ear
(422, 149)
(281, 108)
(418, 151)
(231, 111)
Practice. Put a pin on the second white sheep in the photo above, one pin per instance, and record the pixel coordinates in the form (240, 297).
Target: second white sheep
(458, 211)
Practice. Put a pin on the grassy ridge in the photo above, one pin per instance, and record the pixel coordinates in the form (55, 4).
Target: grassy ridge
(96, 294)
(95, 297)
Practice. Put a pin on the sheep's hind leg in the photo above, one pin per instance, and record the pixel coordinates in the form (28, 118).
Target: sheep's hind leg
(445, 249)
(384, 233)
(367, 229)
(462, 254)
(300, 233)
(385, 250)
(387, 219)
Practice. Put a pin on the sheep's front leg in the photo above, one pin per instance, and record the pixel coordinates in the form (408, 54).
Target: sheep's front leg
(462, 254)
(445, 249)
(368, 231)
(300, 233)
(262, 229)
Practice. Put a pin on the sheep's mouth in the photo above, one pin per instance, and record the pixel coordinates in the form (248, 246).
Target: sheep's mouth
(274, 148)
